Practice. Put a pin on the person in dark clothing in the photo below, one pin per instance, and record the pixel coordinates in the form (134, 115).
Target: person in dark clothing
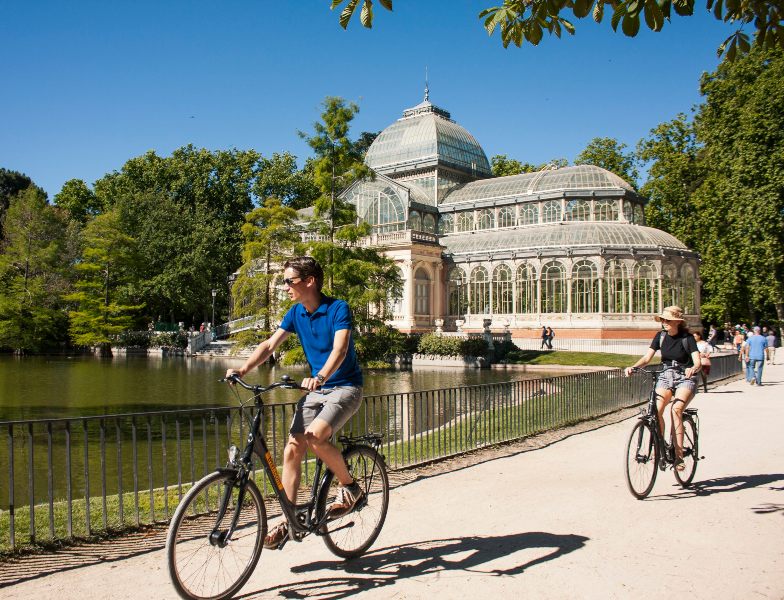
(544, 337)
(550, 336)
(678, 381)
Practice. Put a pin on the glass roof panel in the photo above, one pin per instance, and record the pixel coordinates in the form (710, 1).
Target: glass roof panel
(561, 236)
(581, 177)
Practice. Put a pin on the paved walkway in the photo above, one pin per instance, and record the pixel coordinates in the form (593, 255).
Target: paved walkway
(557, 522)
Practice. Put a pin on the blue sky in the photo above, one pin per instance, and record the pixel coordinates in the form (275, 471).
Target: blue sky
(90, 84)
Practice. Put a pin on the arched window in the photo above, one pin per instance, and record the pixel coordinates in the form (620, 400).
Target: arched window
(627, 211)
(585, 287)
(616, 288)
(529, 214)
(526, 289)
(605, 210)
(480, 291)
(465, 221)
(671, 293)
(645, 293)
(551, 211)
(689, 286)
(639, 215)
(457, 292)
(380, 206)
(502, 290)
(553, 288)
(429, 223)
(506, 217)
(578, 210)
(446, 224)
(415, 221)
(421, 292)
(485, 219)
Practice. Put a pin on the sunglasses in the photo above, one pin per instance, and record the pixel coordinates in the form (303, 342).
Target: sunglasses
(289, 280)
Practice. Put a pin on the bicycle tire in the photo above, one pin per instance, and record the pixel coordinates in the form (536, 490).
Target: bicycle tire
(199, 569)
(351, 535)
(690, 452)
(642, 460)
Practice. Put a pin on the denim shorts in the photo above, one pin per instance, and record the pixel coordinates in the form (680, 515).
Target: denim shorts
(333, 405)
(675, 379)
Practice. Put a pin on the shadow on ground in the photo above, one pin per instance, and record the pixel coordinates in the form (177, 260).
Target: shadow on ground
(721, 485)
(387, 566)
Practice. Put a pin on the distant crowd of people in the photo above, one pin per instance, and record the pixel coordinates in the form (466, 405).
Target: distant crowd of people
(755, 345)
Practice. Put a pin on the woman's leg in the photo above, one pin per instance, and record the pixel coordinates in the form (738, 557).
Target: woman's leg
(682, 398)
(665, 395)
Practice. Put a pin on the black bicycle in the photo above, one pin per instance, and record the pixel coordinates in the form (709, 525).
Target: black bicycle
(647, 451)
(216, 535)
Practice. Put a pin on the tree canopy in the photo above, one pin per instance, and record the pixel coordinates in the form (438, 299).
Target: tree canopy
(526, 21)
(610, 154)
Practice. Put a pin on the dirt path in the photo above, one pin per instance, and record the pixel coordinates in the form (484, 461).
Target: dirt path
(556, 522)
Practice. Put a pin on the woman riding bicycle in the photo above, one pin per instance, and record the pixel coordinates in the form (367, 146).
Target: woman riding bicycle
(681, 360)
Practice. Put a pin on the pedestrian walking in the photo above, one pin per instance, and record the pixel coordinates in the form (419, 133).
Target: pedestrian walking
(713, 336)
(705, 350)
(755, 355)
(550, 336)
(771, 349)
(544, 338)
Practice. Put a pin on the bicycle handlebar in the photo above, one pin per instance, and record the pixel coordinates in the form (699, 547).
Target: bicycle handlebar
(285, 382)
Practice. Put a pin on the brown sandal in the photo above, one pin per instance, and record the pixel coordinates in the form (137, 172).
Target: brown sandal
(276, 536)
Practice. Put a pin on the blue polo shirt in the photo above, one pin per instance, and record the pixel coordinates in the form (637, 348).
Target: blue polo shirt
(757, 345)
(316, 332)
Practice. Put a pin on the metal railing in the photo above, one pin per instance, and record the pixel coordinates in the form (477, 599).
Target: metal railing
(74, 477)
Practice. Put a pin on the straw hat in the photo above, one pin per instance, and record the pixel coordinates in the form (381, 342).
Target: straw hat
(671, 313)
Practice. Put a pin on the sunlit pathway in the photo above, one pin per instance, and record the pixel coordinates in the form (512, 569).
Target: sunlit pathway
(552, 523)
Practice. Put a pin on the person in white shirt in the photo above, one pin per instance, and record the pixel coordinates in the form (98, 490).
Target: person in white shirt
(705, 350)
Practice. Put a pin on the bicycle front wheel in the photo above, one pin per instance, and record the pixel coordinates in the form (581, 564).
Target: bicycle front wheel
(203, 561)
(642, 454)
(352, 534)
(690, 456)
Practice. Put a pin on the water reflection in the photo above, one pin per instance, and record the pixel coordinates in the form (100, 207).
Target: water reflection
(45, 387)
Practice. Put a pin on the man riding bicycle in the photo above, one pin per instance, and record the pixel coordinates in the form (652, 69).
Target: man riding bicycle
(323, 326)
(681, 361)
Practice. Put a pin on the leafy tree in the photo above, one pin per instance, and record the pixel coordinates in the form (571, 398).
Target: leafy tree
(186, 212)
(108, 258)
(11, 183)
(364, 141)
(741, 202)
(337, 162)
(521, 21)
(502, 166)
(279, 177)
(675, 173)
(33, 274)
(609, 154)
(270, 237)
(78, 200)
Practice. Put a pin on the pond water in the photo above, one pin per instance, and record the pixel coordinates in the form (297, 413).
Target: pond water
(63, 386)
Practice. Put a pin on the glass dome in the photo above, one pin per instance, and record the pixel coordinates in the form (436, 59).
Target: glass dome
(597, 235)
(426, 137)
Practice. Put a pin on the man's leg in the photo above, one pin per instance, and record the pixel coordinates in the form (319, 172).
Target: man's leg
(317, 435)
(758, 364)
(292, 465)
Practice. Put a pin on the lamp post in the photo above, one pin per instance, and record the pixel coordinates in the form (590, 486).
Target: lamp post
(214, 293)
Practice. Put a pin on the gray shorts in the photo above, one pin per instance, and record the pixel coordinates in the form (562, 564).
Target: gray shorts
(675, 379)
(335, 406)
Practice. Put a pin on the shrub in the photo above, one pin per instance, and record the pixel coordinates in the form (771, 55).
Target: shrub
(293, 356)
(378, 344)
(169, 339)
(134, 339)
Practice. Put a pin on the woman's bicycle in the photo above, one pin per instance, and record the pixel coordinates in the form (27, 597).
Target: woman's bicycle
(647, 451)
(216, 535)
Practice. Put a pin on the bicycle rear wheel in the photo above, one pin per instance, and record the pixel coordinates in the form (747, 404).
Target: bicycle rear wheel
(202, 563)
(690, 455)
(642, 458)
(352, 534)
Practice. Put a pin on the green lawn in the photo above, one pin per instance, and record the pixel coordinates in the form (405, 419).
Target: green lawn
(563, 357)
